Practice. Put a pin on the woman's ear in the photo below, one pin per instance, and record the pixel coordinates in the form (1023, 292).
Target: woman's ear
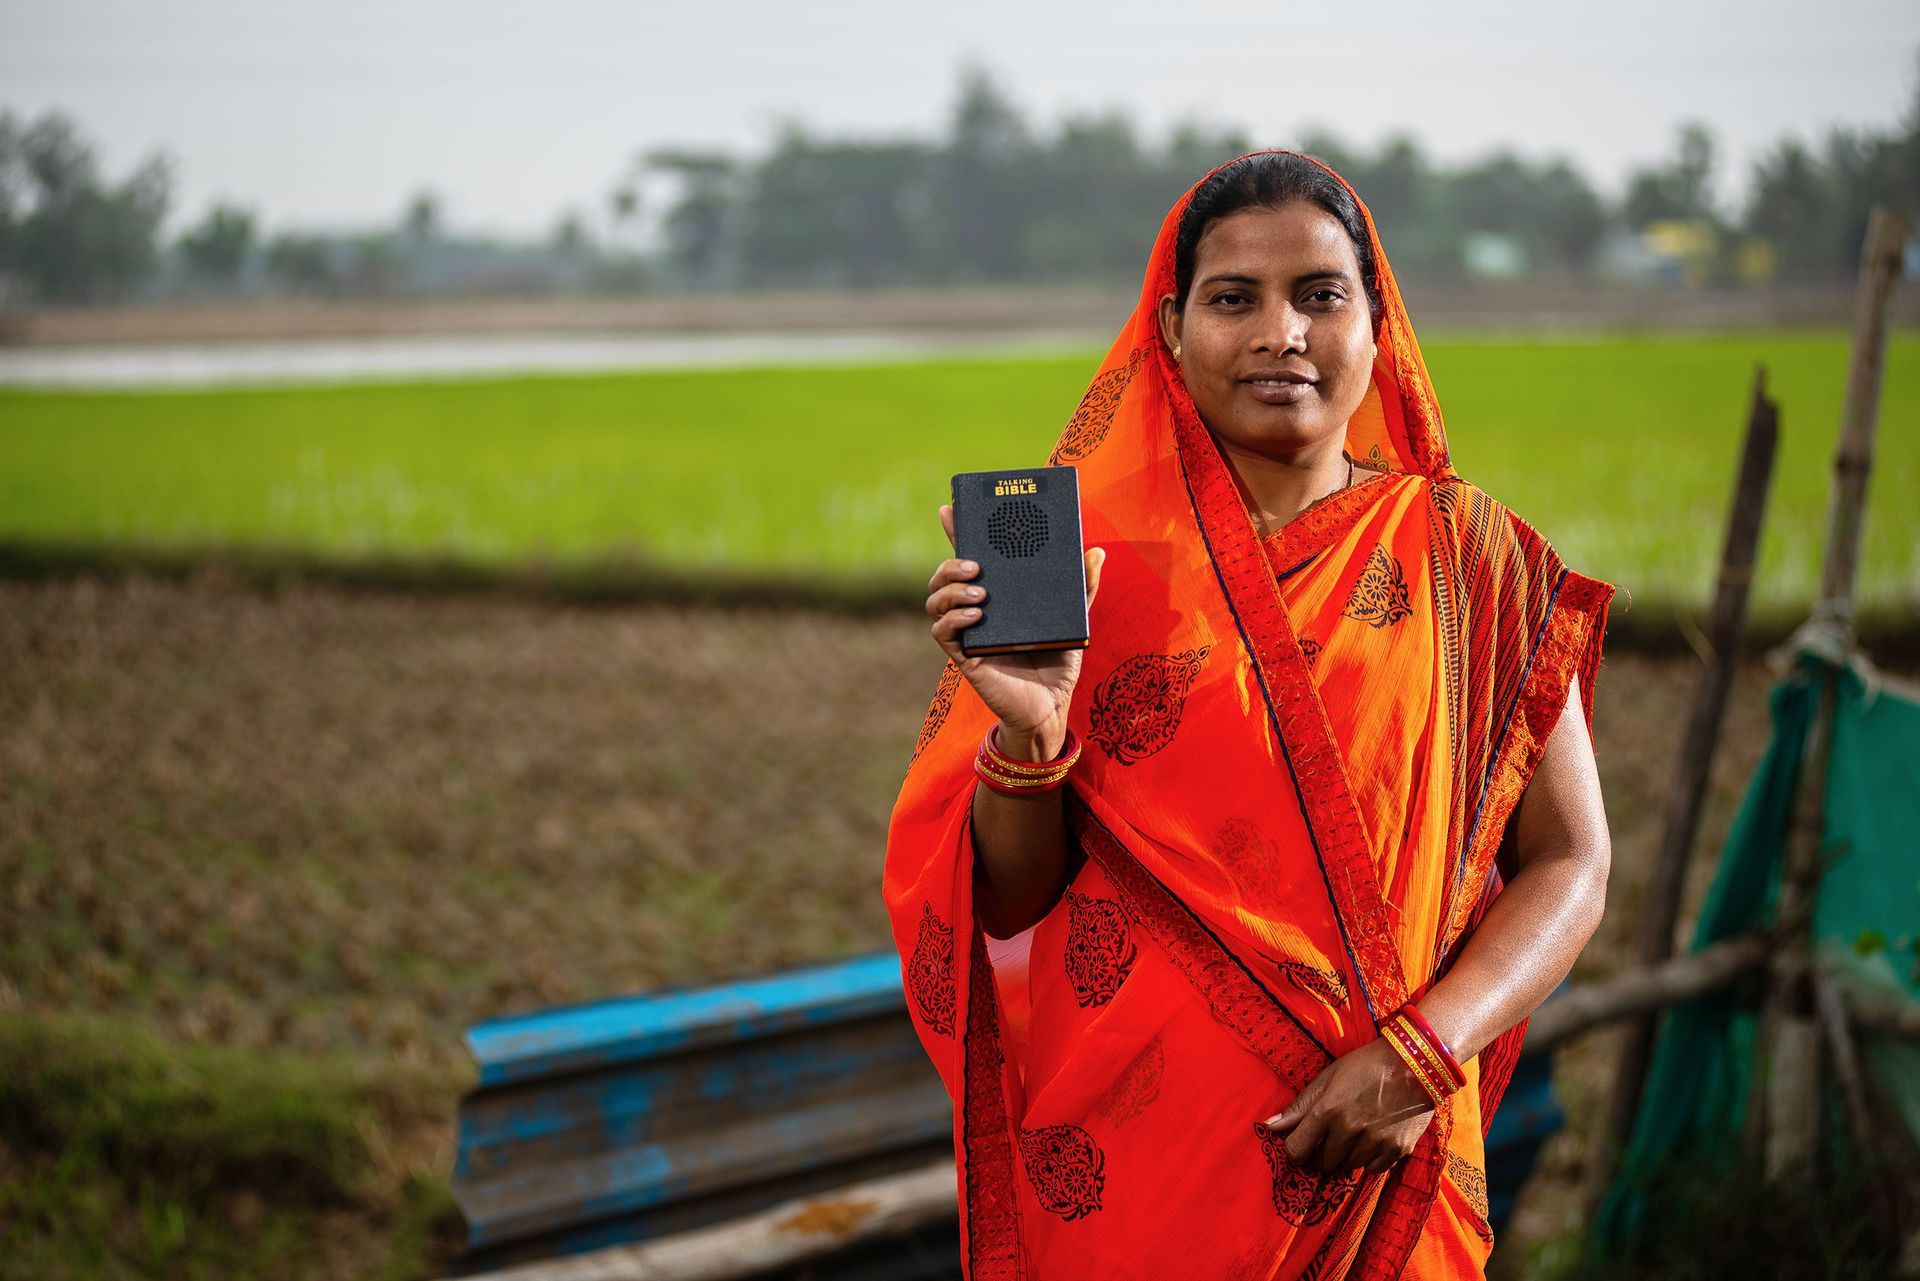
(1170, 324)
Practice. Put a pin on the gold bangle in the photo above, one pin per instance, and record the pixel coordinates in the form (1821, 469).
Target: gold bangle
(1421, 1073)
(1437, 1069)
(1069, 753)
(1000, 768)
(1430, 1042)
(990, 771)
(1017, 778)
(1420, 1077)
(1023, 778)
(1437, 1065)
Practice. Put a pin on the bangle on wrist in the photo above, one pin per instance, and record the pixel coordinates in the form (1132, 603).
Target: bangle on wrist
(1023, 778)
(1422, 1076)
(1413, 1015)
(1426, 1057)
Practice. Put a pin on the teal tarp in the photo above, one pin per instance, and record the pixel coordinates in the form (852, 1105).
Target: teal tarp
(1866, 924)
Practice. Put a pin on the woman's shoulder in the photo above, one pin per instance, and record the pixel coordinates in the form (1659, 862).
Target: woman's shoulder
(1461, 502)
(1479, 529)
(1453, 496)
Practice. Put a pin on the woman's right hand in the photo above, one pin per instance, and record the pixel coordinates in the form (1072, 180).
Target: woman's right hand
(1030, 693)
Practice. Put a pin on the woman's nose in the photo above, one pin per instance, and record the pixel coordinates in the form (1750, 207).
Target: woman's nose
(1283, 328)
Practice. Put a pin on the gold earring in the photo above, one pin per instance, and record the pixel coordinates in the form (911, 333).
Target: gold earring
(1176, 351)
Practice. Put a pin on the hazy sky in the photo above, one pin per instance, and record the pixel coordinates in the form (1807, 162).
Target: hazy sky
(325, 114)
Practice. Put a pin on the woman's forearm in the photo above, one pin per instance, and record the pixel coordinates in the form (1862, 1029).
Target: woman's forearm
(1020, 843)
(1524, 946)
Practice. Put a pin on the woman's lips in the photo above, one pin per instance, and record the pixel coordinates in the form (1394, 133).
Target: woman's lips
(1278, 393)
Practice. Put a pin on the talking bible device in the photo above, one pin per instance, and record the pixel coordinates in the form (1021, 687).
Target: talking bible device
(1023, 529)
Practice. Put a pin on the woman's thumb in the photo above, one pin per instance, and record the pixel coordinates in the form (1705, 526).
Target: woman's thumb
(1096, 558)
(1290, 1116)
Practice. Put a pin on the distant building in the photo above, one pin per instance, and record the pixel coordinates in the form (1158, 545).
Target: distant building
(1493, 255)
(1687, 253)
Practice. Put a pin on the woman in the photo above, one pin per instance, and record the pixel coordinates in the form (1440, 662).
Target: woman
(1335, 700)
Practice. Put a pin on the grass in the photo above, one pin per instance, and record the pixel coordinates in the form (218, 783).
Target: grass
(1621, 449)
(123, 1155)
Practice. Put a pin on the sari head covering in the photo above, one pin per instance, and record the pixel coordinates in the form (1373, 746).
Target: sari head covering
(1301, 754)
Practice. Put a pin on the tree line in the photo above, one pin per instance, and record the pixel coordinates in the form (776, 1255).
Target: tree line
(993, 199)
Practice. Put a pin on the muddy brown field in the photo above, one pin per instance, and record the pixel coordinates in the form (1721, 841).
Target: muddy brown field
(337, 821)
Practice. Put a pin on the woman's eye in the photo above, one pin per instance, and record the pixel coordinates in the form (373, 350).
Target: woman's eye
(1325, 295)
(1229, 299)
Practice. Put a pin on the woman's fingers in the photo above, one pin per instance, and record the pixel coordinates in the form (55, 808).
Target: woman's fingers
(1336, 1151)
(1298, 1110)
(953, 602)
(1304, 1142)
(1096, 557)
(946, 522)
(956, 596)
(948, 626)
(952, 570)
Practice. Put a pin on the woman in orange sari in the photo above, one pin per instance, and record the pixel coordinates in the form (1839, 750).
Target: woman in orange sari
(1200, 925)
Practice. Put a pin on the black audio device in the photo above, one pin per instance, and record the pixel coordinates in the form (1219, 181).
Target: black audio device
(1023, 529)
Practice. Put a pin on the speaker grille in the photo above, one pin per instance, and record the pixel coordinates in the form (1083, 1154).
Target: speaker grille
(1017, 529)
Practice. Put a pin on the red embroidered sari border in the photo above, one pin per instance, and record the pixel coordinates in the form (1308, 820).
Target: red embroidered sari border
(1308, 746)
(993, 1213)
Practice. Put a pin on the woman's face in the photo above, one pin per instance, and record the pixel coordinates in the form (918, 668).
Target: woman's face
(1275, 340)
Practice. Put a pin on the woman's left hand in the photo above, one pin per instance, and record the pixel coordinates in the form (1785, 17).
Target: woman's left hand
(1364, 1111)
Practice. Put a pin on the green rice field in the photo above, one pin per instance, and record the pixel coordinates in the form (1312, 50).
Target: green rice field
(1619, 448)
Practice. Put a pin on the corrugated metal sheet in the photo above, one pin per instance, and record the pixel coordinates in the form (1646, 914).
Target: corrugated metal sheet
(623, 1120)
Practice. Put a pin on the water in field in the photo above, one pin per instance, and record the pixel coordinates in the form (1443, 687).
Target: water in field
(311, 361)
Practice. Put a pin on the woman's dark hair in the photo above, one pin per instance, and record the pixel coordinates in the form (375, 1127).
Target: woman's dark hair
(1267, 181)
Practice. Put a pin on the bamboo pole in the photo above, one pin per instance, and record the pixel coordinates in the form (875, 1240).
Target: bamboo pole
(1642, 989)
(1660, 906)
(1789, 1094)
(1832, 1014)
(1881, 262)
(1882, 1013)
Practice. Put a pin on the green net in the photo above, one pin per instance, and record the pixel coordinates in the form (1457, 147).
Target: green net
(1866, 926)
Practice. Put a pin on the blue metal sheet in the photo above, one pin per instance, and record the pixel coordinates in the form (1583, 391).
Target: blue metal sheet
(616, 1181)
(650, 1102)
(583, 1037)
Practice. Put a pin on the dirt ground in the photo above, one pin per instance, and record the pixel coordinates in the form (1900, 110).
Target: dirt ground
(334, 820)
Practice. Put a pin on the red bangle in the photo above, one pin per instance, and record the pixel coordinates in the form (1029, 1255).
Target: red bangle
(1404, 1040)
(1023, 778)
(1439, 1047)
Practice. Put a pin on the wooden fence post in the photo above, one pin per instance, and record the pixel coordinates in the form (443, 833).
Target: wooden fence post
(1660, 905)
(1788, 1092)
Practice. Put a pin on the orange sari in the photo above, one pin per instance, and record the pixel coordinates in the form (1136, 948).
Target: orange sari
(1301, 753)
